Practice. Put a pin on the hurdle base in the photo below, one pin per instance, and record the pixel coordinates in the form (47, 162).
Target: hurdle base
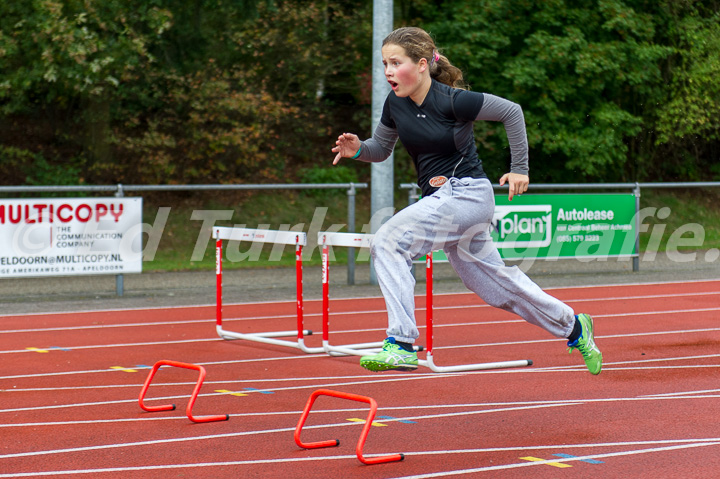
(357, 349)
(269, 338)
(430, 363)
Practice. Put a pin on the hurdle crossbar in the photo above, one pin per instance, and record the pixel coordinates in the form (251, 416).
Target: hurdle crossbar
(429, 361)
(299, 239)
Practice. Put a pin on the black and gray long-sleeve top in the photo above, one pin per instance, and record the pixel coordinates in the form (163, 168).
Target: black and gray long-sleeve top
(438, 134)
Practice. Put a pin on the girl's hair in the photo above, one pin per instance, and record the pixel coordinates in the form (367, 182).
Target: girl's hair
(419, 44)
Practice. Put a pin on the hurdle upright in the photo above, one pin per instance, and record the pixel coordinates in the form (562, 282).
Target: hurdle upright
(299, 239)
(349, 240)
(358, 240)
(429, 361)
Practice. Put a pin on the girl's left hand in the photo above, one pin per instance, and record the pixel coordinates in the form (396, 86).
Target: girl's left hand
(518, 183)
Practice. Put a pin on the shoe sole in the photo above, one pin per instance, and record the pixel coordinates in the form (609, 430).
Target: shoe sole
(591, 331)
(377, 367)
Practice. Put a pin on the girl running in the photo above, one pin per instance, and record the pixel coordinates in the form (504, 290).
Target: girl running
(433, 116)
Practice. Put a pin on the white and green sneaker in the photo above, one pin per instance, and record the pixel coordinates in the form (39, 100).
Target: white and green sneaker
(392, 356)
(586, 345)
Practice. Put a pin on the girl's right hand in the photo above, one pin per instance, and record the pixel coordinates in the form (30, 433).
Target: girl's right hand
(346, 146)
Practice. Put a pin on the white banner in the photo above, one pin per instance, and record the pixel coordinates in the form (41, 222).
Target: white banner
(70, 236)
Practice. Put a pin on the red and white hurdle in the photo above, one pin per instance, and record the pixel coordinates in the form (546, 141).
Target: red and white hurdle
(299, 239)
(349, 240)
(360, 240)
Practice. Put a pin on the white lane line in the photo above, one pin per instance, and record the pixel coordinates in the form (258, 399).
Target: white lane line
(349, 313)
(701, 391)
(311, 356)
(540, 463)
(308, 301)
(125, 345)
(541, 403)
(392, 379)
(676, 444)
(237, 361)
(265, 431)
(607, 336)
(643, 313)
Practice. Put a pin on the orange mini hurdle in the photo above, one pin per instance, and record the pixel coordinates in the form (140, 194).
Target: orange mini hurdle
(193, 397)
(335, 442)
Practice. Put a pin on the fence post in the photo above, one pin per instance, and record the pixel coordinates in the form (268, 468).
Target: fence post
(351, 229)
(636, 258)
(119, 278)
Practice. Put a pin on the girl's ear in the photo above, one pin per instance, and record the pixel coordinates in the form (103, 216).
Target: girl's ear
(422, 65)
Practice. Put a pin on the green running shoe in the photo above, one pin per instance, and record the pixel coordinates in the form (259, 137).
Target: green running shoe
(392, 356)
(586, 345)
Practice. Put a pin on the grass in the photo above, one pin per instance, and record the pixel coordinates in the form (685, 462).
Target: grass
(690, 216)
(291, 210)
(682, 215)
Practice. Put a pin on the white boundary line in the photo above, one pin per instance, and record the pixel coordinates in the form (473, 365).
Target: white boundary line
(369, 311)
(713, 442)
(479, 323)
(362, 380)
(677, 444)
(208, 305)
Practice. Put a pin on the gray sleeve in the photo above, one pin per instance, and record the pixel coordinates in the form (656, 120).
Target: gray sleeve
(380, 146)
(511, 115)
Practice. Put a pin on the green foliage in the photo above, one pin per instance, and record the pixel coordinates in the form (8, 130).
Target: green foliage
(252, 91)
(327, 174)
(207, 130)
(161, 92)
(578, 70)
(689, 118)
(52, 51)
(43, 172)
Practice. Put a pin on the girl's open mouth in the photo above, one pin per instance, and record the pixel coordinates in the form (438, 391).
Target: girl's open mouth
(393, 84)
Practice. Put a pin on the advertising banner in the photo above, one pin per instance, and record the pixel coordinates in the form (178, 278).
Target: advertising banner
(70, 236)
(565, 226)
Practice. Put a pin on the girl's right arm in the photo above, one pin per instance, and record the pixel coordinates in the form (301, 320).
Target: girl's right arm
(375, 149)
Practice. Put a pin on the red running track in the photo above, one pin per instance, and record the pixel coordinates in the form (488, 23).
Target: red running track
(70, 382)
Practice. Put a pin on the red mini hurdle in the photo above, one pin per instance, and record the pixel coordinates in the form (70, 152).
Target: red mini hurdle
(193, 397)
(335, 442)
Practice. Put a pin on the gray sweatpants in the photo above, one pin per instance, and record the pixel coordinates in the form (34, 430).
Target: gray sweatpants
(457, 219)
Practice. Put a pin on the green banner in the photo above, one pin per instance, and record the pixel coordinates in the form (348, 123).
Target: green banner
(565, 226)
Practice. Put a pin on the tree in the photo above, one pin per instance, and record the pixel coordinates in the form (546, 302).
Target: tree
(689, 118)
(584, 73)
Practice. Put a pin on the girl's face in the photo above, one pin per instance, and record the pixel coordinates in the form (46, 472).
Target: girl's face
(406, 77)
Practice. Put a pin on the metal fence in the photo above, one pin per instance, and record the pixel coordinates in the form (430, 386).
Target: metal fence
(414, 195)
(119, 190)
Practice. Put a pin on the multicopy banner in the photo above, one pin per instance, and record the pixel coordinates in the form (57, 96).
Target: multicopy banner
(565, 226)
(70, 236)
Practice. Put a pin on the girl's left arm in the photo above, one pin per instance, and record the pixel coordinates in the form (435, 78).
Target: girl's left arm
(510, 114)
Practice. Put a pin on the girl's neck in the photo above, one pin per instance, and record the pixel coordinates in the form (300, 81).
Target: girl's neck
(419, 95)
